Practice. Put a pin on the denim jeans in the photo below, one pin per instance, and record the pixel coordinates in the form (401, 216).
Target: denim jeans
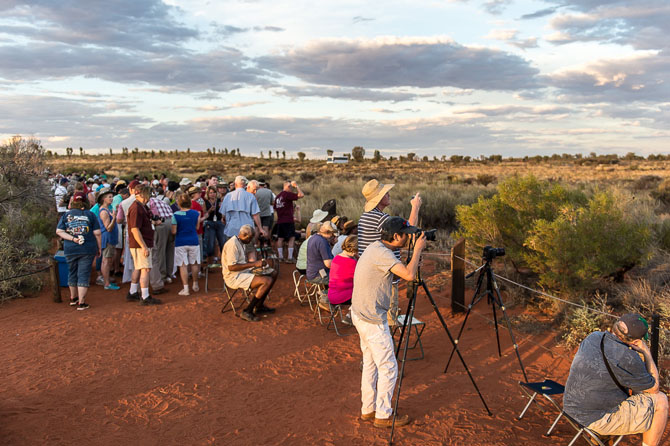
(213, 233)
(79, 269)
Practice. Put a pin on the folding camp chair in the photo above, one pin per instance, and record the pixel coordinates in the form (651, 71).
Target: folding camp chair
(297, 280)
(313, 292)
(549, 388)
(231, 295)
(334, 311)
(418, 330)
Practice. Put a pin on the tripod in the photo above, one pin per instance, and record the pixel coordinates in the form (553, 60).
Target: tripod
(492, 293)
(412, 288)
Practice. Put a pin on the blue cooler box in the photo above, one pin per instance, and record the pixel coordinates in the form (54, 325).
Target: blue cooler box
(62, 268)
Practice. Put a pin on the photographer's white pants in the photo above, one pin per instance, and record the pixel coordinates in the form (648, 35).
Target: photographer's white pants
(380, 369)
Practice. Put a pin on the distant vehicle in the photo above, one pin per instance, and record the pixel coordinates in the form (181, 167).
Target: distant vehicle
(337, 160)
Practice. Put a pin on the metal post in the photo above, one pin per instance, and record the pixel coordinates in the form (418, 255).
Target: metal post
(458, 277)
(655, 324)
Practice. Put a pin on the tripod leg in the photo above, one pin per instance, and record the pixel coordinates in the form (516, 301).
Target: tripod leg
(411, 292)
(409, 316)
(498, 300)
(495, 324)
(476, 297)
(454, 344)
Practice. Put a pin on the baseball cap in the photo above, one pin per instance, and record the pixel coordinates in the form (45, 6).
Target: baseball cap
(637, 326)
(64, 180)
(133, 184)
(79, 196)
(398, 225)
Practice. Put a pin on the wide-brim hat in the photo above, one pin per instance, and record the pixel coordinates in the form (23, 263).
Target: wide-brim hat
(99, 195)
(194, 190)
(184, 182)
(318, 215)
(374, 191)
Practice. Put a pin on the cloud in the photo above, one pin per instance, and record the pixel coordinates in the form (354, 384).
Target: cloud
(360, 19)
(642, 24)
(223, 69)
(538, 14)
(511, 37)
(359, 94)
(229, 30)
(496, 7)
(638, 78)
(396, 62)
(146, 25)
(513, 110)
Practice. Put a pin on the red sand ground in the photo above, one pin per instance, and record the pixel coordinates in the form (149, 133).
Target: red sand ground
(184, 374)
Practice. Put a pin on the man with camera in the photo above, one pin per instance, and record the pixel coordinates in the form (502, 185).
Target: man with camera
(377, 199)
(370, 303)
(611, 390)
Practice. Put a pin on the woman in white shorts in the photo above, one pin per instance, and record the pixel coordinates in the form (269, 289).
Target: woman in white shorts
(187, 249)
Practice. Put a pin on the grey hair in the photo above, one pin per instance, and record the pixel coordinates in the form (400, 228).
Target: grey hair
(240, 180)
(246, 230)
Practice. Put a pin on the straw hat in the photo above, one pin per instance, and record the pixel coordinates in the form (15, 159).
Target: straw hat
(374, 191)
(318, 215)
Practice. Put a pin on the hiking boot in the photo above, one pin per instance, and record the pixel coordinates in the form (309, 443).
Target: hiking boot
(83, 306)
(368, 416)
(150, 301)
(400, 420)
(249, 317)
(132, 296)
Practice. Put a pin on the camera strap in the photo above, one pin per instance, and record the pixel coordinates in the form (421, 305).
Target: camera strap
(609, 369)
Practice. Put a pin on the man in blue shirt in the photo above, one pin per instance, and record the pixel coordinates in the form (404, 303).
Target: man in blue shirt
(623, 398)
(241, 208)
(320, 257)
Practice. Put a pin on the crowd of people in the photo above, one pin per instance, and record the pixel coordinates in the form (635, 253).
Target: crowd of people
(146, 230)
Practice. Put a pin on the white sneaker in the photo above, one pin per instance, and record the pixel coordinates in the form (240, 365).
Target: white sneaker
(168, 280)
(184, 292)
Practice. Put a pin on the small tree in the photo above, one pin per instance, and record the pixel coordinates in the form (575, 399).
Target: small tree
(410, 156)
(377, 156)
(329, 152)
(283, 154)
(301, 156)
(277, 152)
(358, 153)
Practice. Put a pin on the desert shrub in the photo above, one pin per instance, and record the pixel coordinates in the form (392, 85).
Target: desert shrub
(585, 244)
(662, 234)
(306, 177)
(39, 244)
(662, 192)
(646, 182)
(485, 179)
(579, 322)
(507, 218)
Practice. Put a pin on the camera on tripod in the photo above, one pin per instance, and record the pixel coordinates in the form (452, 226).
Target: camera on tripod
(491, 253)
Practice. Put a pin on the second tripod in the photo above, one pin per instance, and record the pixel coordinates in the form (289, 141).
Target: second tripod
(492, 293)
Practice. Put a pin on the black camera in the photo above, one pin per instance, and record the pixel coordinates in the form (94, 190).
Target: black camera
(430, 234)
(158, 218)
(491, 253)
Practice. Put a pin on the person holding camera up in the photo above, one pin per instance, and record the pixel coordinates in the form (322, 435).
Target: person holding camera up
(370, 303)
(377, 199)
(285, 225)
(141, 240)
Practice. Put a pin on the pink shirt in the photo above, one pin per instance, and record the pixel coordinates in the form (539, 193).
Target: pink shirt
(341, 282)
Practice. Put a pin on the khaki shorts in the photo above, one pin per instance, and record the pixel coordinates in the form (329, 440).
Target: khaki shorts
(139, 260)
(109, 251)
(633, 416)
(187, 255)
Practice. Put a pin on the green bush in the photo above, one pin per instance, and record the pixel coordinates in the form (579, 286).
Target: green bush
(578, 324)
(585, 244)
(507, 218)
(39, 243)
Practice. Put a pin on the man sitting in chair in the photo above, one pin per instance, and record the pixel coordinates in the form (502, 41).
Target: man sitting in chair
(610, 390)
(237, 274)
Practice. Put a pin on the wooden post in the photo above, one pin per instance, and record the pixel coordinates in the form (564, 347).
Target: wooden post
(655, 324)
(458, 277)
(55, 280)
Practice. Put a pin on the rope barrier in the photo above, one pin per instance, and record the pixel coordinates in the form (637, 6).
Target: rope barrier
(24, 275)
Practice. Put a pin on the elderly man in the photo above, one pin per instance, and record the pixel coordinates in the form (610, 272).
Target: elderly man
(241, 208)
(265, 197)
(140, 240)
(370, 302)
(160, 269)
(611, 390)
(121, 216)
(237, 274)
(377, 199)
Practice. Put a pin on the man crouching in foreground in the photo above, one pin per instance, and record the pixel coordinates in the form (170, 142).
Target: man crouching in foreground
(611, 390)
(237, 274)
(370, 302)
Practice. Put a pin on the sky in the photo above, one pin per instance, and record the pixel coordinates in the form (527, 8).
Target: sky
(465, 77)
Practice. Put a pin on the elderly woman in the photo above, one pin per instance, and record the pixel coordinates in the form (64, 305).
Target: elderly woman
(80, 230)
(341, 282)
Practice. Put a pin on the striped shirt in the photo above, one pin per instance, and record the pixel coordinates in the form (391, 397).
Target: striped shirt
(369, 230)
